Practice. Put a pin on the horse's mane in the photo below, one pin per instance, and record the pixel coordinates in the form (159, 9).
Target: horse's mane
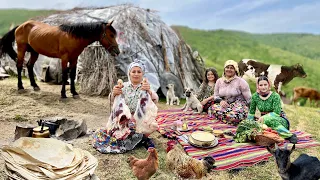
(84, 30)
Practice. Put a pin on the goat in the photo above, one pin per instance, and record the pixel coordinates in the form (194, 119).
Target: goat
(305, 167)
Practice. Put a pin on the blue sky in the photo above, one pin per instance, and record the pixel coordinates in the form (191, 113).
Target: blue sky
(256, 16)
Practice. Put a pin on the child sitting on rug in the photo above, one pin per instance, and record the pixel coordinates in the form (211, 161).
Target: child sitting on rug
(269, 104)
(206, 90)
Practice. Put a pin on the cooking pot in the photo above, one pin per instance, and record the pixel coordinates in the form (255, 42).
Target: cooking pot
(41, 132)
(51, 125)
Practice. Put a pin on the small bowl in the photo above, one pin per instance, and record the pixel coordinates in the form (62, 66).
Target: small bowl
(217, 132)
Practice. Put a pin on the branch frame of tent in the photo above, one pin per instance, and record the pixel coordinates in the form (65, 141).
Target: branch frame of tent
(140, 50)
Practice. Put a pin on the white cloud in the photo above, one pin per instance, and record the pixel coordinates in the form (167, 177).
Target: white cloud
(258, 16)
(58, 4)
(167, 6)
(281, 20)
(38, 4)
(244, 6)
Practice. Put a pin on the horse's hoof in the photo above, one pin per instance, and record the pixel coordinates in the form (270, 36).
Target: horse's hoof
(76, 96)
(36, 88)
(63, 99)
(20, 91)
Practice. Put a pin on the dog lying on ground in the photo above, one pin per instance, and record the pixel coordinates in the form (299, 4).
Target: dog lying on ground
(171, 97)
(192, 101)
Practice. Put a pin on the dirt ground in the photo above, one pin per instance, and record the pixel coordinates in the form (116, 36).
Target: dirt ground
(30, 106)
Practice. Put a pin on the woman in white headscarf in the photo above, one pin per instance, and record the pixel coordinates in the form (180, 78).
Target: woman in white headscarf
(130, 91)
(234, 95)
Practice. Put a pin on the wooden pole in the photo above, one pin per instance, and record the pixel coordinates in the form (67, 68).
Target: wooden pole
(164, 52)
(180, 68)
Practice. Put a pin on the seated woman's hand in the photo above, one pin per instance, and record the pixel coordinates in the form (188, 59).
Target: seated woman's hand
(224, 104)
(145, 85)
(209, 99)
(205, 101)
(117, 90)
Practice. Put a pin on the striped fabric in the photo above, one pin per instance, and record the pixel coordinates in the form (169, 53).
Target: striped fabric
(228, 154)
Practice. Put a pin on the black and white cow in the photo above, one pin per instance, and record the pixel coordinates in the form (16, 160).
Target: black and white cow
(278, 75)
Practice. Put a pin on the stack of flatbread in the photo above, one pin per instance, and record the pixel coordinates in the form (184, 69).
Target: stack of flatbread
(46, 158)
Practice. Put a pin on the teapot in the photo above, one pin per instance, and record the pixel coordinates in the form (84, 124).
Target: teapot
(41, 132)
(53, 126)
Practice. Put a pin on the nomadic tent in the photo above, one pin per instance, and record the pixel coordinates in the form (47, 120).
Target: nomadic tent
(142, 35)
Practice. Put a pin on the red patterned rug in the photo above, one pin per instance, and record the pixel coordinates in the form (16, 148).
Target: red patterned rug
(228, 154)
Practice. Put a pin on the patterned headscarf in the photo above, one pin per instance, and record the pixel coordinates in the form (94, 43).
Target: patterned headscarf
(137, 63)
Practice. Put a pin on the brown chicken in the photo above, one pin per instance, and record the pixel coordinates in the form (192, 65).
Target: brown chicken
(143, 169)
(185, 166)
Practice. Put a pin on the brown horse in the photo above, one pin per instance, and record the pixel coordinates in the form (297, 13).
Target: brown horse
(66, 42)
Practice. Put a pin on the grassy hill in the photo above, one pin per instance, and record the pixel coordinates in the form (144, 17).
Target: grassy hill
(18, 16)
(220, 45)
(306, 45)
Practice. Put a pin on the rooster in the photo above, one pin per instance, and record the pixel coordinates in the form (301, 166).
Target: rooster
(185, 166)
(143, 169)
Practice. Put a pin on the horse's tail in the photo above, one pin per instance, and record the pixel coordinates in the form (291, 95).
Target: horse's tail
(6, 44)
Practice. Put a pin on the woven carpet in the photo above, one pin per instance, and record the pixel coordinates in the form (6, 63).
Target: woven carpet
(228, 154)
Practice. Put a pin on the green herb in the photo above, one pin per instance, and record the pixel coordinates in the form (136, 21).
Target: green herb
(246, 129)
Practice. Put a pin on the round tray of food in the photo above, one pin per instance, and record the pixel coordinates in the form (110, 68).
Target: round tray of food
(203, 139)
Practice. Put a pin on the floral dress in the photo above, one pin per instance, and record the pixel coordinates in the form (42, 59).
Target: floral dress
(105, 143)
(272, 113)
(205, 92)
(238, 95)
